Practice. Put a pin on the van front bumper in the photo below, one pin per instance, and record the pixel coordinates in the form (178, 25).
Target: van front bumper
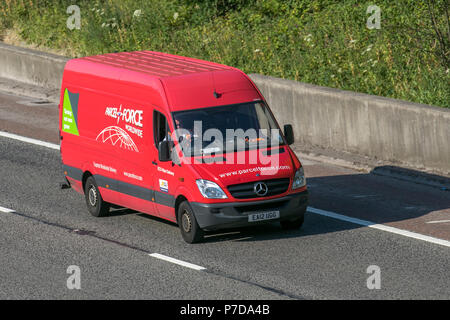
(235, 214)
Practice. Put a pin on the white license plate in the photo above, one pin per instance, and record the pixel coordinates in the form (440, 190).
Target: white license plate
(260, 216)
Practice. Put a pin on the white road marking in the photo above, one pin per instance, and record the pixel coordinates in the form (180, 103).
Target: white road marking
(438, 221)
(6, 210)
(176, 261)
(29, 140)
(310, 209)
(382, 227)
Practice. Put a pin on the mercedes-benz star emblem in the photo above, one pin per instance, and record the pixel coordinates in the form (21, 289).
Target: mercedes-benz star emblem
(260, 189)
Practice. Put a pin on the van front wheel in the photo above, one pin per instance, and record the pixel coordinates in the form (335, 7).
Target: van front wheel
(189, 227)
(94, 201)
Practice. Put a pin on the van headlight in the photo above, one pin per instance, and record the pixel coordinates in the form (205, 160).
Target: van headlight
(299, 179)
(210, 189)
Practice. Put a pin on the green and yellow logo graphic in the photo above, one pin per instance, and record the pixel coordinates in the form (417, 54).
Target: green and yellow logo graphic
(70, 113)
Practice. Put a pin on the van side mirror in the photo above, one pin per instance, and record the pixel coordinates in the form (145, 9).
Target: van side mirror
(289, 134)
(164, 151)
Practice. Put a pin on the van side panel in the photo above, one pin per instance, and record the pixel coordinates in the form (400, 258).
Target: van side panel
(111, 137)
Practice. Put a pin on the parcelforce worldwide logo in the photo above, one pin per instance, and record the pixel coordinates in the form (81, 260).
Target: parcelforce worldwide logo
(130, 116)
(118, 136)
(133, 118)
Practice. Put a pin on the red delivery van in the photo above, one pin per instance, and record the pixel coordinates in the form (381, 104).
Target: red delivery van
(186, 140)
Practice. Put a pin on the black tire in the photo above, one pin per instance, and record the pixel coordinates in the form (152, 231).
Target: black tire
(94, 201)
(293, 224)
(189, 227)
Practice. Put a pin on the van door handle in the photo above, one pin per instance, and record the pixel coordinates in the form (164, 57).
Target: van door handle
(155, 163)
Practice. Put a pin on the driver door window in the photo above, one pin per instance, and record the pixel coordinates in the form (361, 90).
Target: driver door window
(160, 127)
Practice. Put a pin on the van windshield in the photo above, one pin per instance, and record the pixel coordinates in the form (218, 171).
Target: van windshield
(224, 129)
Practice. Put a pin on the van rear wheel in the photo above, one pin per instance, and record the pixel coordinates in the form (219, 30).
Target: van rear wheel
(189, 227)
(94, 201)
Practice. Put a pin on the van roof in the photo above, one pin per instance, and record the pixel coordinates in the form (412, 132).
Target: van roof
(181, 83)
(156, 64)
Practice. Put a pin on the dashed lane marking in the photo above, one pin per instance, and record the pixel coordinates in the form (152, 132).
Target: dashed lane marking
(29, 140)
(438, 221)
(6, 210)
(176, 261)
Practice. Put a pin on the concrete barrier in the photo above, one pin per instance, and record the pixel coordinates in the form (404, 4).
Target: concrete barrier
(392, 130)
(31, 66)
(387, 129)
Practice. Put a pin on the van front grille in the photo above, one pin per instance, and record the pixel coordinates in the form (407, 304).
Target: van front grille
(247, 190)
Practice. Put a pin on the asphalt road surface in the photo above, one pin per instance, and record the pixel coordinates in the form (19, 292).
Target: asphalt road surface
(403, 229)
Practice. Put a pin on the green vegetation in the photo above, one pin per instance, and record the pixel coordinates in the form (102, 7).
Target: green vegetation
(323, 42)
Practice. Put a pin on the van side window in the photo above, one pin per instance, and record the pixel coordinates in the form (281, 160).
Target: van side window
(160, 127)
